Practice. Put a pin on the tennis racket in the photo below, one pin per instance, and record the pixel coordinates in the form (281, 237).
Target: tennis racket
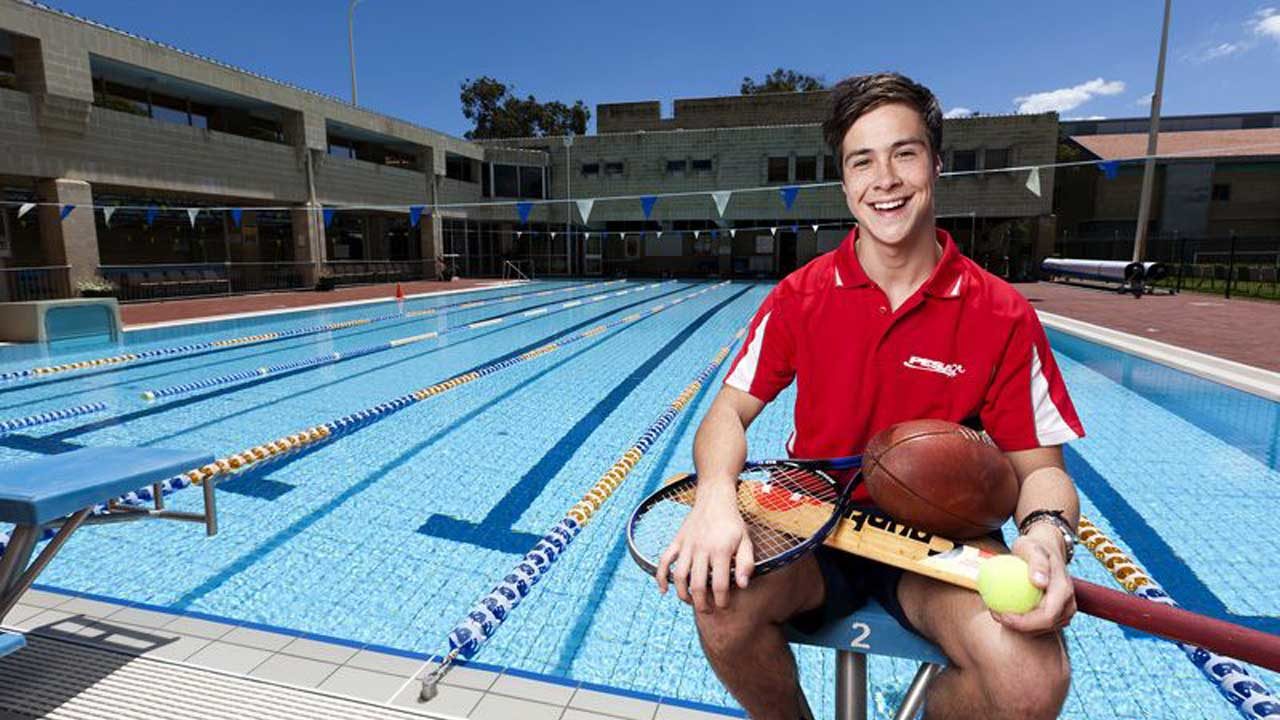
(875, 536)
(789, 507)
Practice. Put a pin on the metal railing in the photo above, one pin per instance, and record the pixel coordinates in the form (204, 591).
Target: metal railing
(22, 284)
(1230, 265)
(352, 272)
(511, 269)
(184, 280)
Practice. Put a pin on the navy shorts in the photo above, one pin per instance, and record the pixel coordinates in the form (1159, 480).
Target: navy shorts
(850, 581)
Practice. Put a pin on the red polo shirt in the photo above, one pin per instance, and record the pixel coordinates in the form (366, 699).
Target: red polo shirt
(965, 347)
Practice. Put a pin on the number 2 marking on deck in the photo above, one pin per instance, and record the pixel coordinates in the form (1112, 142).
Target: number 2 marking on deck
(859, 642)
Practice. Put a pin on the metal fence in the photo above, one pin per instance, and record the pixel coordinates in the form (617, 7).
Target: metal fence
(157, 282)
(35, 283)
(1230, 265)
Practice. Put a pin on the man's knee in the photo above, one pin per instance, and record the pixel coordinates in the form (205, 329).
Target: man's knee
(1023, 677)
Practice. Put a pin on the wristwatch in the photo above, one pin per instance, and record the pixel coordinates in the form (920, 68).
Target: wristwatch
(1055, 518)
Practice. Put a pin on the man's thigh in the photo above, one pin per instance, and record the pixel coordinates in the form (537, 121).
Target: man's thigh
(775, 597)
(960, 624)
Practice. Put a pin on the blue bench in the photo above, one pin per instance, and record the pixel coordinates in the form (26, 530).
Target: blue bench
(61, 491)
(872, 631)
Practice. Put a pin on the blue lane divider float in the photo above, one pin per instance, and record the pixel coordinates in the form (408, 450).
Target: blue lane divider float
(212, 345)
(337, 357)
(1246, 693)
(8, 426)
(488, 613)
(285, 446)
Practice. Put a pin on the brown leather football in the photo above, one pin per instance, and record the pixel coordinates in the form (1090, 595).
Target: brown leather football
(941, 477)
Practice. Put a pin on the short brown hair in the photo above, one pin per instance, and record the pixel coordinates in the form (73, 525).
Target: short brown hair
(856, 96)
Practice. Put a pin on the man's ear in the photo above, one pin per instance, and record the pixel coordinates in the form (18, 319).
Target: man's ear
(937, 165)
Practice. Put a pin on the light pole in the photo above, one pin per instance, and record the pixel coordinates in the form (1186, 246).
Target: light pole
(568, 199)
(1153, 134)
(351, 46)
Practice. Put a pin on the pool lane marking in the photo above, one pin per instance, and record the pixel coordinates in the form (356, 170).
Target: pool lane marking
(1227, 675)
(48, 416)
(281, 537)
(1153, 551)
(327, 358)
(496, 531)
(226, 343)
(491, 610)
(309, 438)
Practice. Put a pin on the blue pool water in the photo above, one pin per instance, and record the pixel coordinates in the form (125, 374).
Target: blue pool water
(386, 536)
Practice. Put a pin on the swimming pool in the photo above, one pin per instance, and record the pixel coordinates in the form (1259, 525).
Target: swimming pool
(388, 535)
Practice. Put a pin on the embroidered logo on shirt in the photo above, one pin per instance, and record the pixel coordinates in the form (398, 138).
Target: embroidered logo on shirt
(937, 366)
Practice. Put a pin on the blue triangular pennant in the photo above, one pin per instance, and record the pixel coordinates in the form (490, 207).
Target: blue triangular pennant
(1110, 168)
(152, 211)
(236, 213)
(789, 195)
(646, 204)
(415, 213)
(66, 210)
(524, 209)
(328, 216)
(715, 234)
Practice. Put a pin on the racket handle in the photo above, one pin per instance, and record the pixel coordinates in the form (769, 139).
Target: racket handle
(1173, 623)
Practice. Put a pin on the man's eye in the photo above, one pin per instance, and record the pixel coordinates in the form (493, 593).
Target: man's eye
(907, 154)
(860, 163)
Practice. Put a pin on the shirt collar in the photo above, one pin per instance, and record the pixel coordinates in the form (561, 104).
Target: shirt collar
(946, 280)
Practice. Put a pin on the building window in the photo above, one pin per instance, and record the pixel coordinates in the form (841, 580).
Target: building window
(400, 160)
(702, 166)
(8, 79)
(589, 169)
(778, 171)
(677, 167)
(486, 175)
(806, 169)
(458, 167)
(829, 171)
(613, 168)
(506, 181)
(530, 182)
(994, 159)
(1222, 192)
(340, 148)
(964, 161)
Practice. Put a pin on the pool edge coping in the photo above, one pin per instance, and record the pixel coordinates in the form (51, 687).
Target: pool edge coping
(1247, 378)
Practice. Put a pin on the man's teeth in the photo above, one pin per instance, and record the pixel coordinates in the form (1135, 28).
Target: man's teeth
(891, 205)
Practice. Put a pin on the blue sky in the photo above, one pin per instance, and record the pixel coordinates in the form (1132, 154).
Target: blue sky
(1083, 59)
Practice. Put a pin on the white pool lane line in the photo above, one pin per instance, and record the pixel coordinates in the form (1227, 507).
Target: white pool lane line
(1250, 379)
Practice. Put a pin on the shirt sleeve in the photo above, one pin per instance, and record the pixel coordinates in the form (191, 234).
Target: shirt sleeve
(766, 363)
(1027, 405)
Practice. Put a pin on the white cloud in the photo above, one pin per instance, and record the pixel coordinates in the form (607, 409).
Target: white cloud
(1266, 22)
(1223, 50)
(1064, 99)
(1090, 117)
(1145, 100)
(958, 112)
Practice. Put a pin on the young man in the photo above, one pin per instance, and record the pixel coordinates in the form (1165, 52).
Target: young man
(893, 325)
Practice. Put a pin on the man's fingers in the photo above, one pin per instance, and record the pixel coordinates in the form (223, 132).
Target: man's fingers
(720, 580)
(1038, 566)
(744, 562)
(680, 573)
(664, 565)
(698, 581)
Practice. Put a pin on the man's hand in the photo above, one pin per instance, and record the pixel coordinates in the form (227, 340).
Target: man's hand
(712, 539)
(1042, 548)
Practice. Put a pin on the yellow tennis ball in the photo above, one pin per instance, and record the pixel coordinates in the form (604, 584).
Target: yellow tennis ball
(1004, 582)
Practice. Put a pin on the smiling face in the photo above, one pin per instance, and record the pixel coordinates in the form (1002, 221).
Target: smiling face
(888, 175)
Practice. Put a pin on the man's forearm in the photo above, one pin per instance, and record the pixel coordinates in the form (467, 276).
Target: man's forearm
(1049, 488)
(720, 446)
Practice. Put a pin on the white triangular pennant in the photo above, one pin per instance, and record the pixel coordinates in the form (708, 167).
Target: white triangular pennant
(553, 235)
(815, 227)
(25, 208)
(519, 233)
(733, 233)
(722, 200)
(584, 209)
(696, 234)
(586, 236)
(659, 234)
(773, 231)
(191, 215)
(1033, 181)
(107, 212)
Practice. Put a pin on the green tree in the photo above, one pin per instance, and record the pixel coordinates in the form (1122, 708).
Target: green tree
(497, 112)
(782, 80)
